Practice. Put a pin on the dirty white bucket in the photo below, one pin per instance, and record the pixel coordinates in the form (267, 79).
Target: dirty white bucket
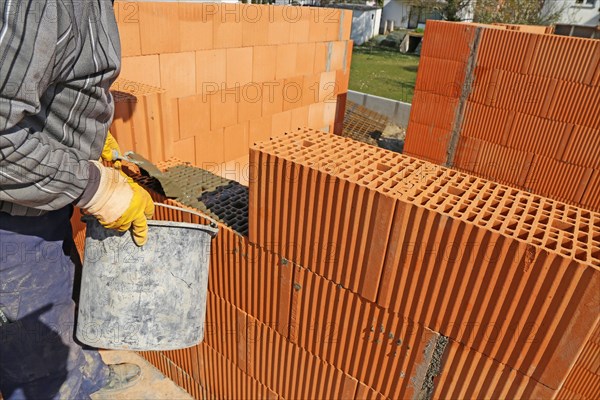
(145, 298)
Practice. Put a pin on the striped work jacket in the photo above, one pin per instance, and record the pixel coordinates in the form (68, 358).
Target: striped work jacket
(58, 59)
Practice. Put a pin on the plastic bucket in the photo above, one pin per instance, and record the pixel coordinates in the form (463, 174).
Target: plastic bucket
(145, 298)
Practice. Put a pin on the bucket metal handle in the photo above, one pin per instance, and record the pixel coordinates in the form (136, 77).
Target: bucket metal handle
(213, 223)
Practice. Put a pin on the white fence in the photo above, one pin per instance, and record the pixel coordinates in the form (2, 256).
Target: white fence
(397, 111)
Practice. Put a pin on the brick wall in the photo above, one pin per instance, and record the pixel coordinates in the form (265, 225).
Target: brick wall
(517, 107)
(491, 267)
(232, 74)
(361, 262)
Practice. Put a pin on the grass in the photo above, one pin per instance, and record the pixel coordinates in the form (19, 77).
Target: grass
(383, 72)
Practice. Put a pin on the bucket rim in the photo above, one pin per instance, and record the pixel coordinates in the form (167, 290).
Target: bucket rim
(175, 224)
(211, 230)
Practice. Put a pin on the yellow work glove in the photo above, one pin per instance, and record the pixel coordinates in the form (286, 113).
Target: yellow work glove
(111, 151)
(117, 202)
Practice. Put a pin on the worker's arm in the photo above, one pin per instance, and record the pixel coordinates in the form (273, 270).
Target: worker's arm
(55, 107)
(57, 62)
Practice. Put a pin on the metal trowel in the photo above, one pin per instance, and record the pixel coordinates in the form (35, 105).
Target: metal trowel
(170, 188)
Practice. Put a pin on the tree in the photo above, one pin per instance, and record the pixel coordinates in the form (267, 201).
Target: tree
(526, 12)
(449, 10)
(454, 10)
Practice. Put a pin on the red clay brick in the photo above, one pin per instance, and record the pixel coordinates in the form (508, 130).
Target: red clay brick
(349, 47)
(340, 108)
(210, 147)
(211, 70)
(346, 22)
(235, 141)
(272, 97)
(363, 392)
(577, 54)
(320, 57)
(139, 124)
(279, 27)
(142, 69)
(223, 109)
(121, 128)
(194, 115)
(299, 117)
(318, 27)
(226, 380)
(582, 147)
(173, 109)
(286, 61)
(185, 150)
(178, 73)
(127, 16)
(195, 27)
(440, 76)
(452, 41)
(329, 113)
(250, 105)
(327, 87)
(499, 163)
(281, 123)
(277, 362)
(292, 92)
(584, 378)
(239, 66)
(591, 196)
(387, 351)
(304, 64)
(468, 374)
(427, 142)
(260, 129)
(264, 63)
(299, 28)
(142, 121)
(255, 25)
(316, 115)
(227, 34)
(311, 89)
(433, 110)
(338, 55)
(557, 179)
(331, 18)
(159, 28)
(342, 80)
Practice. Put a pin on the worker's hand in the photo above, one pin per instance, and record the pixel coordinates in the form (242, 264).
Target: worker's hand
(112, 151)
(120, 203)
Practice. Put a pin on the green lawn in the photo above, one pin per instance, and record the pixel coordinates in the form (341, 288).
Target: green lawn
(383, 72)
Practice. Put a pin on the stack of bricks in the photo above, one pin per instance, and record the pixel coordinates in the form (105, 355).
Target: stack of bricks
(509, 277)
(255, 347)
(235, 73)
(458, 288)
(512, 106)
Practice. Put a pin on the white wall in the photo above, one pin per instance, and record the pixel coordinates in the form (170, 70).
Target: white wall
(585, 13)
(468, 11)
(377, 23)
(397, 11)
(365, 25)
(187, 1)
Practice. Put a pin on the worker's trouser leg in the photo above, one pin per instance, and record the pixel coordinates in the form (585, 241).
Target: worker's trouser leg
(38, 357)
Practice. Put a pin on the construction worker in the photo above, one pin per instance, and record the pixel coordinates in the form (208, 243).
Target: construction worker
(58, 59)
